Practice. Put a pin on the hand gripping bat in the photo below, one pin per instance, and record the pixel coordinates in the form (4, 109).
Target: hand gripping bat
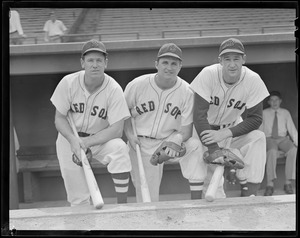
(89, 175)
(144, 185)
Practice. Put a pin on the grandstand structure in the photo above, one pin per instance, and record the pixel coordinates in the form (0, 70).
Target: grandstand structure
(119, 24)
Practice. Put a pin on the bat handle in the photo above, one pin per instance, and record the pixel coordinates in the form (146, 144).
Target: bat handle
(144, 185)
(90, 177)
(214, 183)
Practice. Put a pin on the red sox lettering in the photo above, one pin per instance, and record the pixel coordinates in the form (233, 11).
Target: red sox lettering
(150, 106)
(232, 102)
(101, 113)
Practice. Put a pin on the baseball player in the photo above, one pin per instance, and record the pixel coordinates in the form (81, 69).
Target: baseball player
(97, 105)
(162, 106)
(223, 92)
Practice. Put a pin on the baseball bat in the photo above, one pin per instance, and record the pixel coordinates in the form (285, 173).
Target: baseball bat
(89, 175)
(210, 194)
(144, 185)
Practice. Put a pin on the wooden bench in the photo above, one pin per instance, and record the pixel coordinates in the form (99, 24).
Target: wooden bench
(35, 162)
(41, 161)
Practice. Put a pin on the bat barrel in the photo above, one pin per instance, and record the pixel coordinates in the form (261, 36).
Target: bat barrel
(214, 183)
(89, 175)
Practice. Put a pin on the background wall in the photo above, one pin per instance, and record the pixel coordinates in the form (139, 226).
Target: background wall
(33, 113)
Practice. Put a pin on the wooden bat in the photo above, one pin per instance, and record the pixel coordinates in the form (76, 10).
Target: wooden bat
(144, 185)
(210, 194)
(89, 175)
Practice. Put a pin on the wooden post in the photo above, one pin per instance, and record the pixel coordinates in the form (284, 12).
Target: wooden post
(13, 178)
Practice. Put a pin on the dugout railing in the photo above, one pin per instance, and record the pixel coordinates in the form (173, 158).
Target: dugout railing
(162, 34)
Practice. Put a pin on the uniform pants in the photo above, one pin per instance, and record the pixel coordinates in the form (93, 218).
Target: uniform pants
(113, 153)
(192, 167)
(252, 149)
(286, 145)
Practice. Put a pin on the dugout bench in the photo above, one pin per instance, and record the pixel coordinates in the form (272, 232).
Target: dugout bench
(41, 161)
(35, 162)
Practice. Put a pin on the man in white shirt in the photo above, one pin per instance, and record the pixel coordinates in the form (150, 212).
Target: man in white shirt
(281, 134)
(54, 29)
(15, 28)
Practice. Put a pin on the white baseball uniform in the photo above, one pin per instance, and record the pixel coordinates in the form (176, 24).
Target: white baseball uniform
(226, 107)
(158, 114)
(91, 114)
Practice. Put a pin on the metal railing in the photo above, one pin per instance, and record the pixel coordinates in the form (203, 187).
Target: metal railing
(137, 34)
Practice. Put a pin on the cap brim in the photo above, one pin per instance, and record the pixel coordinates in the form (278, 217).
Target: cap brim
(95, 49)
(169, 54)
(231, 51)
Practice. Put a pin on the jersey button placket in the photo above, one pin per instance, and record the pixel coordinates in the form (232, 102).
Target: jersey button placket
(158, 116)
(87, 109)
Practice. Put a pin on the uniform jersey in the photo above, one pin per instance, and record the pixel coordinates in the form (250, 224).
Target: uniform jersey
(228, 104)
(159, 112)
(91, 112)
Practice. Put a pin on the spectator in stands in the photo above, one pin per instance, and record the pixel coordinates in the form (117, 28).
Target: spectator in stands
(54, 29)
(282, 135)
(15, 28)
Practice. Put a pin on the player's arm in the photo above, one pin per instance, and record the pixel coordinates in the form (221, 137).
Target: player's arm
(186, 132)
(133, 140)
(253, 120)
(178, 137)
(201, 124)
(112, 132)
(63, 127)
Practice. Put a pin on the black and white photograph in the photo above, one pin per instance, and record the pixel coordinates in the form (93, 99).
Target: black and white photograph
(149, 118)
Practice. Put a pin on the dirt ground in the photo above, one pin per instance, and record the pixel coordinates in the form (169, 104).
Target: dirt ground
(276, 213)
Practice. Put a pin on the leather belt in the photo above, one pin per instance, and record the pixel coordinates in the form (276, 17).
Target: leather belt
(215, 127)
(147, 137)
(83, 134)
(218, 127)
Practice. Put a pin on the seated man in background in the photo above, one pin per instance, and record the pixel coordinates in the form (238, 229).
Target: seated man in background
(281, 134)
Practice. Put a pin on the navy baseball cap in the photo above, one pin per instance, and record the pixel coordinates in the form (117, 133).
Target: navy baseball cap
(93, 45)
(170, 49)
(231, 45)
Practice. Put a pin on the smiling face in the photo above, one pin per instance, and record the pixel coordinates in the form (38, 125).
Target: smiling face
(94, 63)
(232, 66)
(168, 68)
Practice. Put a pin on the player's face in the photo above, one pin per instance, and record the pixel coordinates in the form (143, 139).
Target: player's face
(232, 66)
(94, 64)
(274, 102)
(168, 67)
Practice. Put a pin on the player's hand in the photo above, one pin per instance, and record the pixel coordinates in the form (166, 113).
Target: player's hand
(133, 141)
(170, 152)
(213, 136)
(76, 146)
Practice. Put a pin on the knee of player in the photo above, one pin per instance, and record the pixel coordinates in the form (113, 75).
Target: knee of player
(193, 144)
(259, 134)
(118, 144)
